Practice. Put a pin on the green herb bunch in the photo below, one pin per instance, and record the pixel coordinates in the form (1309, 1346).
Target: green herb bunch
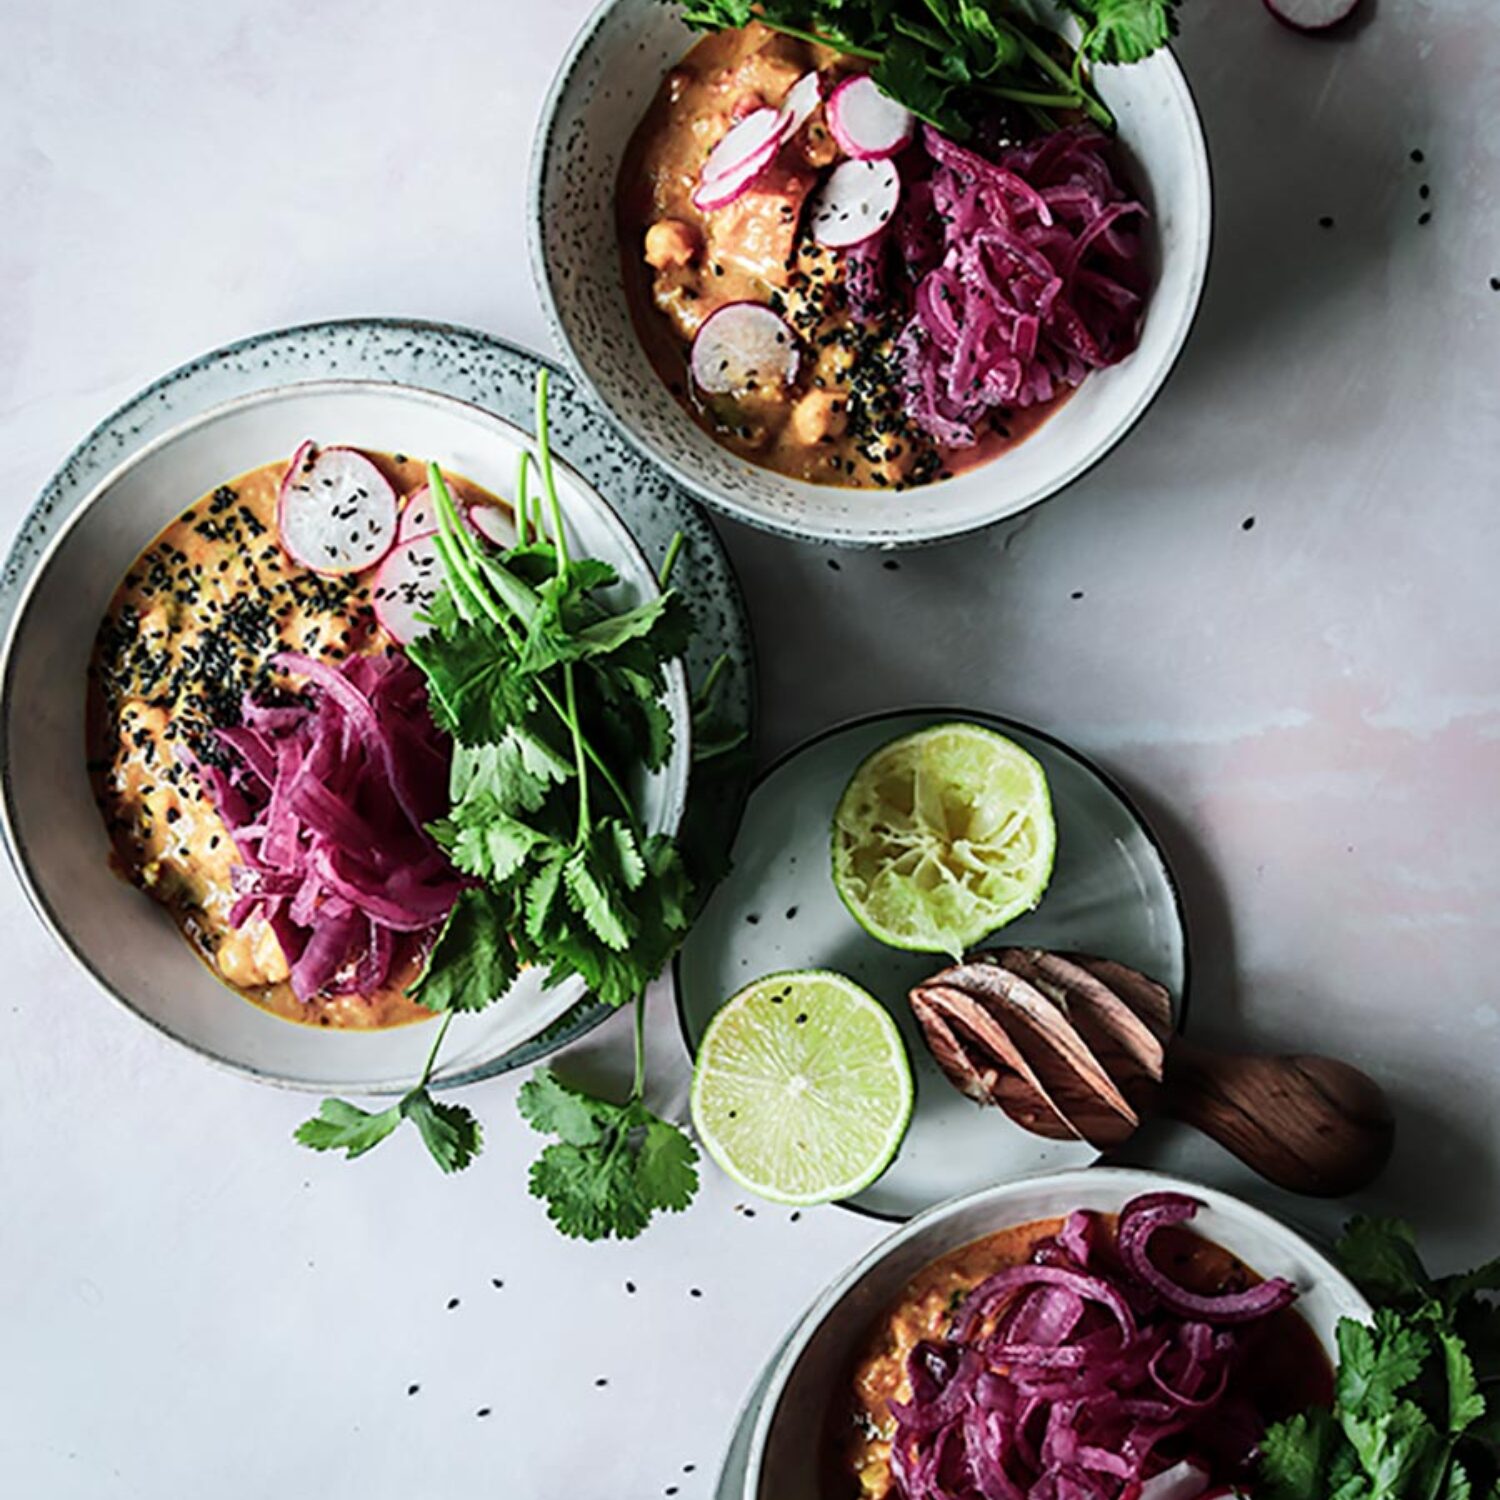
(1416, 1412)
(941, 58)
(555, 704)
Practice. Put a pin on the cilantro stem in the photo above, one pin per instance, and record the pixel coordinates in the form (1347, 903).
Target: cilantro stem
(674, 551)
(1028, 96)
(715, 672)
(523, 503)
(549, 480)
(580, 752)
(638, 1088)
(1091, 106)
(432, 1055)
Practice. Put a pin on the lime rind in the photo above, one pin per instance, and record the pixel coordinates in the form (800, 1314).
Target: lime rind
(942, 837)
(802, 1091)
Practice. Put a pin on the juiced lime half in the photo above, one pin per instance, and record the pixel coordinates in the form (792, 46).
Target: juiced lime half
(802, 1089)
(942, 837)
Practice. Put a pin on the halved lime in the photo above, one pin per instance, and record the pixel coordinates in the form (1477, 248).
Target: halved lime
(943, 836)
(802, 1089)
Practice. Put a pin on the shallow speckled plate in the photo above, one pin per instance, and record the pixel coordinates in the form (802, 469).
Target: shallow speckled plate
(1111, 893)
(498, 378)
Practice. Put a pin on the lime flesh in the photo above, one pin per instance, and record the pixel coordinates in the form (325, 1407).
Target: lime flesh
(942, 837)
(802, 1089)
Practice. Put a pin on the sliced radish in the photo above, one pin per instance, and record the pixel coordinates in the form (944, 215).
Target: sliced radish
(724, 190)
(1184, 1481)
(1311, 15)
(405, 585)
(418, 515)
(801, 100)
(855, 202)
(741, 346)
(336, 512)
(866, 121)
(760, 131)
(494, 523)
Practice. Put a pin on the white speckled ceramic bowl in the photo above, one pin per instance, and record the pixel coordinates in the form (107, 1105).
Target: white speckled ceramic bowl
(605, 84)
(55, 832)
(786, 1441)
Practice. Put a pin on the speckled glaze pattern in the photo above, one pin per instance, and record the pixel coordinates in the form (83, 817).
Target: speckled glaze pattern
(598, 97)
(499, 377)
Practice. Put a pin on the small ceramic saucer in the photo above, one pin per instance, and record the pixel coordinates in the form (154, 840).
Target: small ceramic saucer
(1111, 894)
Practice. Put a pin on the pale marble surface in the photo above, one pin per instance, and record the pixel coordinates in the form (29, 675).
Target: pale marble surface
(1309, 709)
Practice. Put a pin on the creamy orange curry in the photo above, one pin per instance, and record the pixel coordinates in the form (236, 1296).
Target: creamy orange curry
(191, 629)
(1287, 1373)
(842, 420)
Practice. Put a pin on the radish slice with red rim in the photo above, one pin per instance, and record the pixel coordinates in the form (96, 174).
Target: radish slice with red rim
(724, 190)
(761, 130)
(855, 203)
(418, 515)
(741, 347)
(494, 523)
(336, 512)
(866, 121)
(1311, 15)
(801, 100)
(405, 585)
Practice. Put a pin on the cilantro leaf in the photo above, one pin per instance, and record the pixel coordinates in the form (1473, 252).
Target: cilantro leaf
(666, 1164)
(1294, 1456)
(1125, 31)
(548, 1105)
(1376, 1363)
(473, 681)
(1465, 1403)
(472, 962)
(1485, 1278)
(449, 1131)
(1394, 1448)
(613, 1167)
(1410, 1420)
(341, 1126)
(1380, 1257)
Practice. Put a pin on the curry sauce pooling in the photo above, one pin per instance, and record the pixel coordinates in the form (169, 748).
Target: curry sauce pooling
(189, 632)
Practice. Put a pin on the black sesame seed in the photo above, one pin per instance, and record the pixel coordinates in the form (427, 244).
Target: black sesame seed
(452, 1303)
(1424, 218)
(1326, 222)
(1248, 524)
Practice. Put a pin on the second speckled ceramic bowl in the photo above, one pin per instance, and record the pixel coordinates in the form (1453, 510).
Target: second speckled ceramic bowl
(603, 88)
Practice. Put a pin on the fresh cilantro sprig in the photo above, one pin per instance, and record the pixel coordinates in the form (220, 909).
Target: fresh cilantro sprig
(555, 703)
(450, 1132)
(1417, 1396)
(943, 58)
(613, 1165)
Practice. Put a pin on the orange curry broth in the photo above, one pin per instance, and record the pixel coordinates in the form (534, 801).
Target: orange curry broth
(191, 628)
(681, 263)
(1287, 1370)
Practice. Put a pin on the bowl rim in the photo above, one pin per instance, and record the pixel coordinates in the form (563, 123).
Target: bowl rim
(1130, 1181)
(887, 538)
(46, 560)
